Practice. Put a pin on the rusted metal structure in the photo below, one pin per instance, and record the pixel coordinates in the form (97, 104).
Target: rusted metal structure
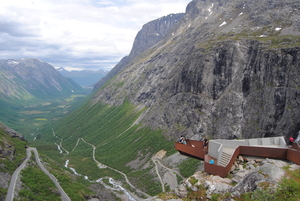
(194, 149)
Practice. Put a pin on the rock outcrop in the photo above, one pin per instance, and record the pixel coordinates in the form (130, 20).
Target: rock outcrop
(227, 69)
(11, 132)
(10, 155)
(148, 36)
(243, 180)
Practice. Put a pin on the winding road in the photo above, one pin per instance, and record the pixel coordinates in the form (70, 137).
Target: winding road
(11, 189)
(100, 165)
(172, 172)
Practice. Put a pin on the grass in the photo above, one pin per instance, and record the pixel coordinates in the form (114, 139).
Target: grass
(117, 140)
(37, 187)
(193, 180)
(288, 189)
(18, 152)
(75, 187)
(271, 41)
(28, 116)
(189, 167)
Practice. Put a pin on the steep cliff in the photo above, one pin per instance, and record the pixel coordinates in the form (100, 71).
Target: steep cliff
(12, 154)
(149, 35)
(227, 69)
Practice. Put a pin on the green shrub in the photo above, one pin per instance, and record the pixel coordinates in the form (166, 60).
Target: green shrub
(193, 180)
(189, 167)
(37, 186)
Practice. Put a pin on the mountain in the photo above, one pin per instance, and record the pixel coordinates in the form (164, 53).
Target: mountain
(85, 78)
(226, 69)
(30, 89)
(33, 78)
(149, 35)
(12, 153)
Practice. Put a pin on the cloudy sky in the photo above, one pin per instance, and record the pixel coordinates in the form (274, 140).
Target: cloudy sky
(77, 34)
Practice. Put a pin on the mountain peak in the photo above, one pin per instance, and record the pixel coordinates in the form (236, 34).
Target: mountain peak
(151, 33)
(32, 78)
(223, 70)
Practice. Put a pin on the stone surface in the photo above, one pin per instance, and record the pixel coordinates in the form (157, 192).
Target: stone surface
(11, 132)
(181, 191)
(232, 87)
(5, 179)
(273, 171)
(269, 171)
(247, 184)
(218, 179)
(151, 33)
(218, 188)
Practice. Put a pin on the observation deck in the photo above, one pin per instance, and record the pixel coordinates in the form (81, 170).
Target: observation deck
(224, 152)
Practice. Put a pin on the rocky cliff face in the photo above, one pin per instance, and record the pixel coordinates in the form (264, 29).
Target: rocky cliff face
(149, 35)
(226, 69)
(25, 78)
(12, 153)
(12, 133)
(7, 150)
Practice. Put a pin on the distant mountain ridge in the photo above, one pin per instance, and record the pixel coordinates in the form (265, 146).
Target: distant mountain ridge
(85, 78)
(33, 78)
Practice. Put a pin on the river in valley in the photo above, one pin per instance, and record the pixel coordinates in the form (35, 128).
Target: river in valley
(114, 185)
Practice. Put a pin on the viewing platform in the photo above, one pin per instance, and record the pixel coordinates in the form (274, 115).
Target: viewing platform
(224, 152)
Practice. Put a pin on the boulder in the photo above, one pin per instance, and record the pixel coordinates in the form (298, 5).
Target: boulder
(218, 188)
(247, 184)
(188, 184)
(278, 163)
(273, 171)
(251, 167)
(252, 162)
(181, 191)
(237, 177)
(241, 158)
(200, 176)
(233, 167)
(218, 179)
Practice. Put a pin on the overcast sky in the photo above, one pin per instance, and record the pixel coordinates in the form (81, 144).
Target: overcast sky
(77, 34)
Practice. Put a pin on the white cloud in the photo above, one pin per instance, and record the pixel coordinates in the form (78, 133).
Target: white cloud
(72, 29)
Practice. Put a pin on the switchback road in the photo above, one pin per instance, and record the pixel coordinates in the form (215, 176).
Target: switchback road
(11, 189)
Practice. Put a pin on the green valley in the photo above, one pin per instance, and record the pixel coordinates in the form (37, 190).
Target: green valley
(221, 70)
(118, 141)
(28, 117)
